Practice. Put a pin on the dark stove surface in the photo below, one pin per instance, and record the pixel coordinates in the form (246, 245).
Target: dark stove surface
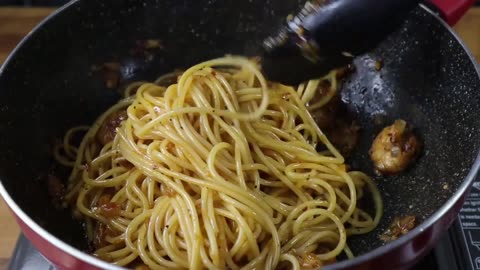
(459, 249)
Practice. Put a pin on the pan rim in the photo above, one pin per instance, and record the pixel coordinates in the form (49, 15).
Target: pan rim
(377, 252)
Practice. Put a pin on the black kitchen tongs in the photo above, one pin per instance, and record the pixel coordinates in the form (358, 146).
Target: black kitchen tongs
(328, 34)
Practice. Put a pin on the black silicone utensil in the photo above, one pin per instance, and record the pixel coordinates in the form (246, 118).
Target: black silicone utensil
(329, 34)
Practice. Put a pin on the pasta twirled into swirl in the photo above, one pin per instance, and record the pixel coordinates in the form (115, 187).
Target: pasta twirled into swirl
(219, 170)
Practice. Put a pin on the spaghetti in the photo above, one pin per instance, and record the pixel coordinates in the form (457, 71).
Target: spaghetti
(219, 170)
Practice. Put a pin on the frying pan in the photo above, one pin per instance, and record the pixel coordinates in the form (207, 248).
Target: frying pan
(48, 85)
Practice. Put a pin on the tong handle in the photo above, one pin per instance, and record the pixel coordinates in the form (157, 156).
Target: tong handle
(328, 34)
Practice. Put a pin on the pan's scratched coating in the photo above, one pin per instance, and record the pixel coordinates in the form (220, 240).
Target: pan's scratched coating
(427, 81)
(49, 86)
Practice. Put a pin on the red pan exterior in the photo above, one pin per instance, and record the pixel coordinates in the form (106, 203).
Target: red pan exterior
(54, 254)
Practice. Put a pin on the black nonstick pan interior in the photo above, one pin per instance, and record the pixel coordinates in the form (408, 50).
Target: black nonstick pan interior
(50, 84)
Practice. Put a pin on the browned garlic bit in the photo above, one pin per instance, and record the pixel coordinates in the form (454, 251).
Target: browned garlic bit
(394, 148)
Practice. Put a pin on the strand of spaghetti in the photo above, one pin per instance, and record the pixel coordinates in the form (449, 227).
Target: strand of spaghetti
(146, 164)
(233, 61)
(74, 186)
(329, 95)
(219, 186)
(214, 168)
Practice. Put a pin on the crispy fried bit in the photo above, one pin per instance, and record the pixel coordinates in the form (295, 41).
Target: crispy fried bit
(400, 226)
(309, 261)
(100, 234)
(170, 147)
(144, 47)
(56, 189)
(394, 148)
(153, 44)
(108, 208)
(111, 79)
(107, 131)
(105, 198)
(111, 74)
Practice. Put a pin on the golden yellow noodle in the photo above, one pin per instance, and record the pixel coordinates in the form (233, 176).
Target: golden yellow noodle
(217, 171)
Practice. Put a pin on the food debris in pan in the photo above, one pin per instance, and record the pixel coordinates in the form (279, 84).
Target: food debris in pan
(108, 208)
(334, 119)
(110, 72)
(145, 48)
(394, 148)
(374, 64)
(101, 233)
(112, 69)
(309, 261)
(56, 190)
(344, 134)
(378, 65)
(107, 131)
(146, 44)
(400, 226)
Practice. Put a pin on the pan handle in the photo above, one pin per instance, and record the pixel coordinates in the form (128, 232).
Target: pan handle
(452, 10)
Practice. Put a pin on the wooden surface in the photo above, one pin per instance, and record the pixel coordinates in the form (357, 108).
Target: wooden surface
(8, 234)
(16, 22)
(469, 30)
